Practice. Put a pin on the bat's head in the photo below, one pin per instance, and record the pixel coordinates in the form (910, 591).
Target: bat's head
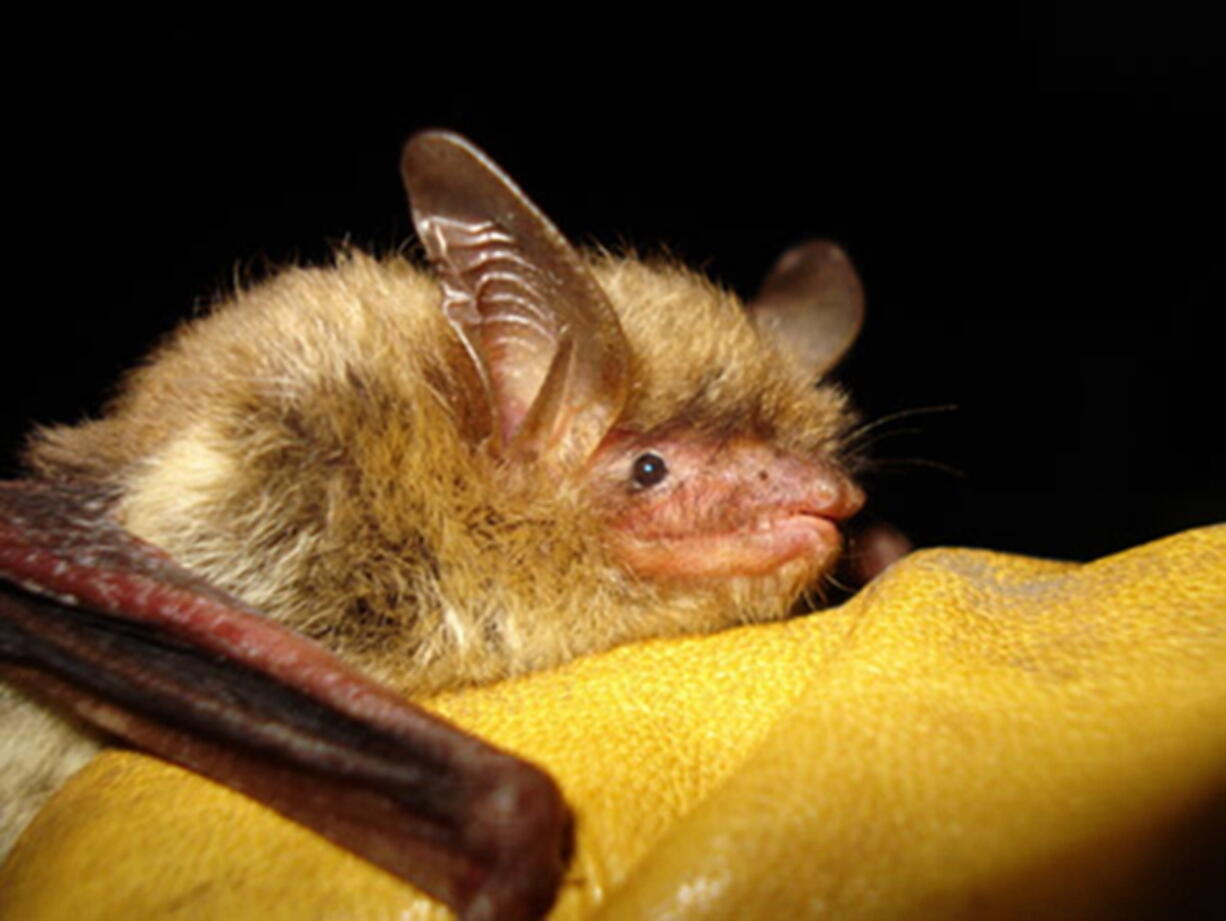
(681, 435)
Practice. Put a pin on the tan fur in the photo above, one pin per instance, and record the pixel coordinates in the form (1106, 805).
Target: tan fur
(38, 752)
(313, 446)
(317, 446)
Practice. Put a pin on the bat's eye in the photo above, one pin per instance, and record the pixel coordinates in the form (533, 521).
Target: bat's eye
(649, 469)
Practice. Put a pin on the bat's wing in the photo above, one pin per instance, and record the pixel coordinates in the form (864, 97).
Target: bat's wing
(107, 627)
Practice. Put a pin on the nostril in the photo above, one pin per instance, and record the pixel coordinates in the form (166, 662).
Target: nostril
(838, 499)
(854, 500)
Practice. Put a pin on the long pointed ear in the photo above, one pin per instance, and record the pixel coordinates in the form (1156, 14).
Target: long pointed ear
(811, 305)
(543, 335)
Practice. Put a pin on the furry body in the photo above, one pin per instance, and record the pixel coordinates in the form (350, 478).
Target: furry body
(456, 476)
(311, 447)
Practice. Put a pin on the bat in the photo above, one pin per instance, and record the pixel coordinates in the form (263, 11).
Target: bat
(415, 480)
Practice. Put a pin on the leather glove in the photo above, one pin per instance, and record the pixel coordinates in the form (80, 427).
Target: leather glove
(975, 735)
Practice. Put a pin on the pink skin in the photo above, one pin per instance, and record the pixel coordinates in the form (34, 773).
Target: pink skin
(872, 548)
(726, 507)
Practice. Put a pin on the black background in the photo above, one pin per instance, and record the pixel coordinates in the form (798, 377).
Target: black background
(1035, 206)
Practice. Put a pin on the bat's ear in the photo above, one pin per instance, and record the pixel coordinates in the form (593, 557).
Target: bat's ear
(811, 305)
(543, 335)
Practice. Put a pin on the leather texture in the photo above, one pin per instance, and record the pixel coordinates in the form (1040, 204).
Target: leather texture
(975, 735)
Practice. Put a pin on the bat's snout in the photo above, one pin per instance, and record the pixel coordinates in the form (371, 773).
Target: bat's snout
(818, 488)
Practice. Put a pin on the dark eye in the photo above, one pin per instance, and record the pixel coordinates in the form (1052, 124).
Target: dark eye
(649, 469)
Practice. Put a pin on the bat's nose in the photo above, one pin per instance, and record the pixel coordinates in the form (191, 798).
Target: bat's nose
(846, 498)
(817, 487)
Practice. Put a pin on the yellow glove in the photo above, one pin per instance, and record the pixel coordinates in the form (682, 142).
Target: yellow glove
(974, 736)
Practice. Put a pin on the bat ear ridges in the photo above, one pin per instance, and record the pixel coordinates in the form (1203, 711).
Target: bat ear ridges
(542, 334)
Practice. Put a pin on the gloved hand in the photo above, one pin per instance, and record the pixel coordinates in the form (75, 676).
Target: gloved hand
(975, 735)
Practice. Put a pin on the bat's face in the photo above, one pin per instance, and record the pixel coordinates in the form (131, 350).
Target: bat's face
(725, 469)
(698, 508)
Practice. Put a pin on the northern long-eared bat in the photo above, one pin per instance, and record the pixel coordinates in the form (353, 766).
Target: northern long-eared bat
(448, 477)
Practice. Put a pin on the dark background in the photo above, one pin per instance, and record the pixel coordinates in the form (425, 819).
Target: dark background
(1035, 207)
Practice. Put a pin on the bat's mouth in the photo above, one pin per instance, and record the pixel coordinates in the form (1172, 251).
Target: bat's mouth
(727, 509)
(758, 547)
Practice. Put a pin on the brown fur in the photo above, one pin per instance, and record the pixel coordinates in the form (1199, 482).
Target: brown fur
(325, 446)
(312, 447)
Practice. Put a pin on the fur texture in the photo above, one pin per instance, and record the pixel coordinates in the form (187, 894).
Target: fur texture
(38, 752)
(564, 470)
(312, 446)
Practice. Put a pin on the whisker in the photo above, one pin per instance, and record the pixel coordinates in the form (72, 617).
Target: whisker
(813, 598)
(880, 463)
(862, 430)
(879, 437)
(839, 585)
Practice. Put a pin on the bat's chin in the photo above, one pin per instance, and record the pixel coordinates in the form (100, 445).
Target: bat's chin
(759, 548)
